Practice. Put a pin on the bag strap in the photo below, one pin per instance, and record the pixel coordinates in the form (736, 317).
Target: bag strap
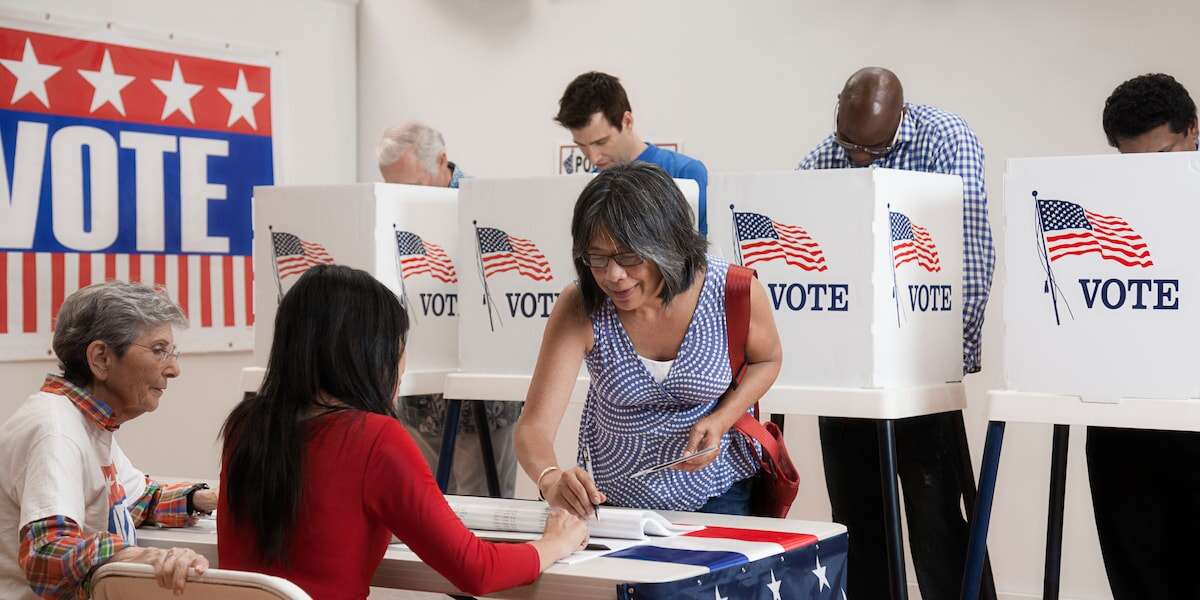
(737, 318)
(737, 328)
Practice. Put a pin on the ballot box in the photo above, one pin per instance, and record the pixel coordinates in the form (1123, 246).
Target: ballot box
(404, 235)
(515, 239)
(862, 267)
(1100, 271)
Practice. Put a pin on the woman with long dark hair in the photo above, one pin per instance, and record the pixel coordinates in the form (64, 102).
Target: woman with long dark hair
(318, 474)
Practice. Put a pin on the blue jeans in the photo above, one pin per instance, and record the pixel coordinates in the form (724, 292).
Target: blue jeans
(735, 500)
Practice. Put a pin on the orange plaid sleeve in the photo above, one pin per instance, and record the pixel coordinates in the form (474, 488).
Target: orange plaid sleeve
(57, 557)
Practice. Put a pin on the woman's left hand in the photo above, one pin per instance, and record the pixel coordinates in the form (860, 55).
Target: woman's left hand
(706, 433)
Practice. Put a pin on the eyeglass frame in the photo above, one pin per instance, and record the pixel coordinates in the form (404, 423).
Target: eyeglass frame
(874, 151)
(638, 259)
(162, 354)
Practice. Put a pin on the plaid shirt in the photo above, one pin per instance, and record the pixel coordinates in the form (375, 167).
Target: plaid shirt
(935, 141)
(56, 554)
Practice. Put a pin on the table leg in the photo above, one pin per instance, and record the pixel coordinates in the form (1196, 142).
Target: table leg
(966, 479)
(485, 448)
(891, 509)
(1054, 520)
(449, 437)
(982, 512)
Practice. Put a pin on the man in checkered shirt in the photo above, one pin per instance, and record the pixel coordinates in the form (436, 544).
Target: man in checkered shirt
(876, 127)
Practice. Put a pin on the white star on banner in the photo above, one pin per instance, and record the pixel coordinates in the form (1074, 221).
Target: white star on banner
(717, 592)
(178, 92)
(107, 85)
(241, 101)
(774, 586)
(31, 75)
(823, 582)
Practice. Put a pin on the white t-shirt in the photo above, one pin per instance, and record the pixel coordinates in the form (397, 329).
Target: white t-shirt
(54, 460)
(659, 369)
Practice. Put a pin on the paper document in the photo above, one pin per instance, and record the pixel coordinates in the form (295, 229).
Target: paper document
(502, 514)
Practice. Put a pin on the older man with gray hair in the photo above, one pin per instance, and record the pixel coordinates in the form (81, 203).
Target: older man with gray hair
(415, 154)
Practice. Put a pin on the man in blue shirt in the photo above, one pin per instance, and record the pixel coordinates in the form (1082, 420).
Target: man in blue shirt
(875, 126)
(1145, 485)
(596, 110)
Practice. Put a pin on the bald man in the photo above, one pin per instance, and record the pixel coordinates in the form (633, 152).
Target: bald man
(875, 126)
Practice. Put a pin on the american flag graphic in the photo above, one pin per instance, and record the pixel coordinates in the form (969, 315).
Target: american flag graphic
(419, 256)
(1069, 229)
(762, 239)
(911, 242)
(143, 139)
(500, 252)
(294, 256)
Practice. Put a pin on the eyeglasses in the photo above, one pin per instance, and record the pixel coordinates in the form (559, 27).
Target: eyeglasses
(599, 261)
(875, 151)
(162, 354)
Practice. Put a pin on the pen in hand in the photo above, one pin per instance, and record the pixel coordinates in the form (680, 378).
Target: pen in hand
(587, 466)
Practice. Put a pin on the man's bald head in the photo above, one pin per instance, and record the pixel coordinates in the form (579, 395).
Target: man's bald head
(869, 110)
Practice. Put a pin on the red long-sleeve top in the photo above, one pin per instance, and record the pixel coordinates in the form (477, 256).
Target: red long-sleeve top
(365, 480)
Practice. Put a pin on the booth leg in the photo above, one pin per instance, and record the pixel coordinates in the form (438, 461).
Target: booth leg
(485, 448)
(982, 513)
(1054, 520)
(966, 479)
(449, 437)
(891, 509)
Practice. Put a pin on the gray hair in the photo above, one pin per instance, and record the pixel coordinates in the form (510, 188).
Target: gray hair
(113, 312)
(424, 141)
(642, 209)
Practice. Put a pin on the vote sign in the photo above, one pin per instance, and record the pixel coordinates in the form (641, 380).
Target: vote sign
(128, 162)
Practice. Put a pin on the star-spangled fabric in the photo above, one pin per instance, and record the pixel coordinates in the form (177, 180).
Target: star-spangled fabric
(1071, 230)
(936, 141)
(744, 564)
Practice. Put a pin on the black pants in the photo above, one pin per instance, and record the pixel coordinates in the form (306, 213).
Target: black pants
(1146, 495)
(928, 456)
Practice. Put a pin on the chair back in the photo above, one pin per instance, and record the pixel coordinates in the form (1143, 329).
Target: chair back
(131, 581)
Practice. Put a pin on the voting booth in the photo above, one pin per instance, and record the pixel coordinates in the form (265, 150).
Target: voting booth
(406, 236)
(1096, 312)
(515, 236)
(1100, 266)
(863, 268)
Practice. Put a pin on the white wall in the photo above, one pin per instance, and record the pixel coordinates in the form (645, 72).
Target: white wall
(315, 136)
(751, 85)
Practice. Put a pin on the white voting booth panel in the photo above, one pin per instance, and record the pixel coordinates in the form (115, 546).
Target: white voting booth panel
(1110, 314)
(359, 226)
(821, 242)
(515, 235)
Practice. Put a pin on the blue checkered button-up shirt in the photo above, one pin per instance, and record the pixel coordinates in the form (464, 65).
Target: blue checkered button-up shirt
(935, 141)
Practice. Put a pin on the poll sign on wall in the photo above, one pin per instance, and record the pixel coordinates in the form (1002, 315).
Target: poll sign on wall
(404, 235)
(571, 161)
(515, 236)
(832, 248)
(1101, 262)
(125, 159)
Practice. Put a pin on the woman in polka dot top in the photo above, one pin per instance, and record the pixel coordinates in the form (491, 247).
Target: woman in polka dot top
(648, 316)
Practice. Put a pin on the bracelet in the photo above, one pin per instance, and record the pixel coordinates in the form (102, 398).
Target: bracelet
(542, 475)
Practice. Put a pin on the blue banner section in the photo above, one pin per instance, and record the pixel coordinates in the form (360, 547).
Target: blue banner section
(816, 572)
(245, 163)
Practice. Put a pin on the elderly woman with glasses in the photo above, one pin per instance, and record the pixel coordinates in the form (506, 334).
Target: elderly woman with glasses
(648, 317)
(70, 500)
